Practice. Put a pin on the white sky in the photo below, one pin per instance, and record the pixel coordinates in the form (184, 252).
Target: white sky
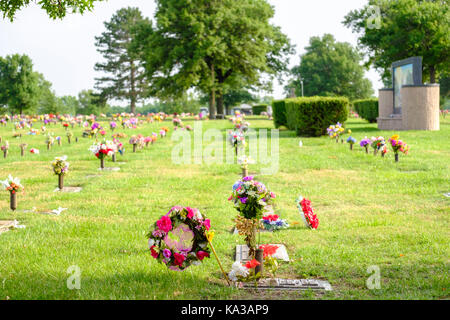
(64, 50)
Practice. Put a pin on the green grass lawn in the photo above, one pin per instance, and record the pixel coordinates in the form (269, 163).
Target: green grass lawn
(371, 211)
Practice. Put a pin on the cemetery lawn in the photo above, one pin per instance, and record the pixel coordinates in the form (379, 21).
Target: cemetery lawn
(372, 212)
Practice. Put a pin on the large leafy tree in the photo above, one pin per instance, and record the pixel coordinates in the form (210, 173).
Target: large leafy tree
(213, 46)
(55, 8)
(19, 84)
(407, 28)
(90, 102)
(330, 68)
(124, 75)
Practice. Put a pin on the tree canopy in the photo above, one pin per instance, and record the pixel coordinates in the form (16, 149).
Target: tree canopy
(54, 8)
(408, 28)
(124, 74)
(330, 68)
(213, 46)
(19, 84)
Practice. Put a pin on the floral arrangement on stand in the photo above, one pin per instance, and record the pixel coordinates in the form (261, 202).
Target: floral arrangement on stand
(49, 141)
(377, 144)
(334, 131)
(12, 185)
(398, 146)
(252, 200)
(5, 149)
(237, 140)
(351, 141)
(137, 142)
(274, 223)
(307, 213)
(102, 150)
(23, 146)
(112, 125)
(60, 168)
(365, 143)
(179, 239)
(244, 161)
(177, 123)
(69, 136)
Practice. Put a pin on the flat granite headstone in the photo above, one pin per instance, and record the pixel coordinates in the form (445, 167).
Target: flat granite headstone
(69, 189)
(242, 253)
(288, 284)
(6, 225)
(109, 169)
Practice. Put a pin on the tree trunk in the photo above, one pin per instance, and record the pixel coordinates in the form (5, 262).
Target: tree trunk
(220, 104)
(133, 88)
(432, 74)
(212, 98)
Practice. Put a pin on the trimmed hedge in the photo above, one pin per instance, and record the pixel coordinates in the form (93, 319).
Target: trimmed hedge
(279, 113)
(259, 108)
(367, 109)
(312, 116)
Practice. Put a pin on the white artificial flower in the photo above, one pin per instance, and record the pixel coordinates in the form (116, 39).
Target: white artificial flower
(239, 269)
(232, 276)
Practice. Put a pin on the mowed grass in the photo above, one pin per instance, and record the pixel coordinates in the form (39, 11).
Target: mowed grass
(372, 211)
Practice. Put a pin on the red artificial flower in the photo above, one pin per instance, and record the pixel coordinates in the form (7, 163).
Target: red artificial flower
(252, 264)
(179, 259)
(271, 217)
(202, 254)
(154, 253)
(269, 249)
(308, 211)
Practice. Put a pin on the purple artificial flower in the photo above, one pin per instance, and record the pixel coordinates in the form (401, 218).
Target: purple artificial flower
(248, 178)
(364, 142)
(167, 253)
(244, 200)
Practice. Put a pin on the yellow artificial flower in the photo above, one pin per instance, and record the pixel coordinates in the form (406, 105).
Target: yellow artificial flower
(210, 235)
(395, 137)
(349, 131)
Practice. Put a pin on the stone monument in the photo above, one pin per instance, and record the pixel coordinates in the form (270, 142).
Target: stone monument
(409, 105)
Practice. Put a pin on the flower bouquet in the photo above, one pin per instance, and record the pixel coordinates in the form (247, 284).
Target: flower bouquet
(179, 238)
(273, 223)
(137, 141)
(351, 141)
(365, 143)
(236, 139)
(377, 144)
(252, 200)
(398, 146)
(334, 131)
(23, 146)
(245, 272)
(112, 125)
(60, 168)
(34, 151)
(5, 149)
(69, 136)
(244, 161)
(307, 213)
(101, 151)
(49, 141)
(12, 185)
(177, 122)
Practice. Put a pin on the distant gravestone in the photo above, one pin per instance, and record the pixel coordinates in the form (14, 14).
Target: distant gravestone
(109, 169)
(288, 284)
(69, 189)
(242, 253)
(6, 225)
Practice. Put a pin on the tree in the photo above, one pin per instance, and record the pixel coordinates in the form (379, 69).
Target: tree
(55, 9)
(91, 103)
(330, 68)
(408, 28)
(212, 45)
(19, 88)
(69, 105)
(125, 74)
(47, 100)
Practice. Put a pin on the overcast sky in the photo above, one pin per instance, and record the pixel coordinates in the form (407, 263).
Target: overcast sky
(64, 50)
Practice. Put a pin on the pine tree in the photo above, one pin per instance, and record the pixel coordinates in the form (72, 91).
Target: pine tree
(124, 74)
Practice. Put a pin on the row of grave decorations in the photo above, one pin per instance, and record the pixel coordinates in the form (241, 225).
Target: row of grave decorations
(183, 237)
(378, 144)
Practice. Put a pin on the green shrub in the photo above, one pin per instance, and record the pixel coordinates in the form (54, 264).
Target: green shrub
(279, 113)
(312, 116)
(367, 109)
(259, 108)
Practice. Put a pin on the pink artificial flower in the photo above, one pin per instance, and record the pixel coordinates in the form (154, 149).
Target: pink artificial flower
(207, 224)
(164, 224)
(190, 211)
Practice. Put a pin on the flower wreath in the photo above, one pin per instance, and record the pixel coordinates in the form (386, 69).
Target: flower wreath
(307, 213)
(190, 227)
